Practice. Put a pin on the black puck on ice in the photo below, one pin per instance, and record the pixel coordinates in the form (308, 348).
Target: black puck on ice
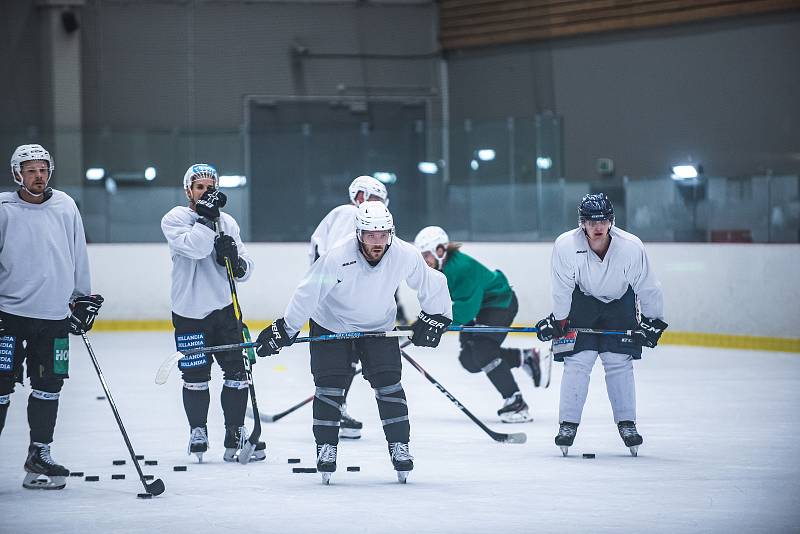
(353, 468)
(304, 469)
(588, 455)
(149, 477)
(101, 397)
(145, 495)
(118, 462)
(179, 468)
(140, 456)
(294, 460)
(117, 477)
(151, 462)
(92, 478)
(76, 473)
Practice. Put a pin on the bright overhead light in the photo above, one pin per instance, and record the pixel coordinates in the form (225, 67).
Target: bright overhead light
(95, 173)
(684, 172)
(544, 163)
(385, 177)
(428, 167)
(229, 180)
(150, 174)
(474, 165)
(486, 154)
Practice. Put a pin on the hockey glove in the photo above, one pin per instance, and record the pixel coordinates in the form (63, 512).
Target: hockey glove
(550, 327)
(428, 329)
(225, 247)
(84, 310)
(649, 332)
(273, 338)
(209, 204)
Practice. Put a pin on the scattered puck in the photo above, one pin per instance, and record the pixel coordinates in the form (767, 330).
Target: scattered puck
(140, 456)
(149, 477)
(118, 462)
(294, 460)
(353, 468)
(304, 469)
(151, 462)
(101, 397)
(117, 477)
(145, 495)
(588, 455)
(92, 478)
(76, 473)
(179, 468)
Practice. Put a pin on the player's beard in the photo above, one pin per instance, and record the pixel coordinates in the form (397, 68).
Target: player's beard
(37, 187)
(373, 252)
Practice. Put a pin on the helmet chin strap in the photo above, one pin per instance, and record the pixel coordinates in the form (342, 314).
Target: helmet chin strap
(47, 193)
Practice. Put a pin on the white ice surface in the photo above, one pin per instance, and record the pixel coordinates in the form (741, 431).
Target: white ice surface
(720, 452)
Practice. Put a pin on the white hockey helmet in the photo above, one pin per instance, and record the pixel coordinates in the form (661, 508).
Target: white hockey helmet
(370, 186)
(429, 239)
(374, 216)
(199, 171)
(25, 153)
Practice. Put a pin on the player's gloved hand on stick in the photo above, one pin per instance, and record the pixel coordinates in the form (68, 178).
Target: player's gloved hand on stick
(225, 247)
(209, 204)
(84, 310)
(649, 332)
(550, 327)
(428, 329)
(273, 338)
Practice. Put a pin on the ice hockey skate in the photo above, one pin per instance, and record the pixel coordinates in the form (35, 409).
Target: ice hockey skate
(628, 433)
(198, 442)
(531, 365)
(515, 410)
(402, 460)
(349, 428)
(42, 471)
(235, 440)
(566, 436)
(326, 461)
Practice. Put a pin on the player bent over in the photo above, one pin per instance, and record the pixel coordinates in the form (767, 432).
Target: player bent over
(598, 273)
(200, 238)
(484, 297)
(351, 288)
(44, 296)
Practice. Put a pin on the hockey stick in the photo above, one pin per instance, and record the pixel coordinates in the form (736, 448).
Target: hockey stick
(533, 329)
(519, 437)
(155, 487)
(250, 446)
(266, 418)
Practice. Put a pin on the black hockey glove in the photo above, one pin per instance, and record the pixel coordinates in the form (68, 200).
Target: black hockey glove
(225, 247)
(209, 204)
(428, 329)
(84, 310)
(550, 327)
(649, 332)
(273, 338)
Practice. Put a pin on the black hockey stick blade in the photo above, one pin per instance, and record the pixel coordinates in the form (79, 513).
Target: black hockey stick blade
(155, 487)
(517, 437)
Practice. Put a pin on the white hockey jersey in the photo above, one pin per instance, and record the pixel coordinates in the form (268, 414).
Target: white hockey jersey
(199, 283)
(43, 259)
(625, 264)
(338, 225)
(342, 292)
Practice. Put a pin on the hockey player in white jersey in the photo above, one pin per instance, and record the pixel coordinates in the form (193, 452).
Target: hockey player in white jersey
(351, 288)
(337, 226)
(598, 274)
(200, 238)
(45, 294)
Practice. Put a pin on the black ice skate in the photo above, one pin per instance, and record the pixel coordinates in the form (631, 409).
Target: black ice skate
(40, 464)
(514, 410)
(402, 460)
(198, 442)
(349, 428)
(235, 440)
(531, 365)
(566, 436)
(628, 433)
(326, 461)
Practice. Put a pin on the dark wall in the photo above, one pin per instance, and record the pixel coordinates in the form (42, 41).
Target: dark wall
(723, 94)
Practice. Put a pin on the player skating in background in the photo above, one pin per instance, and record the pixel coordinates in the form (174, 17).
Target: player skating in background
(202, 307)
(45, 294)
(598, 273)
(483, 297)
(351, 288)
(337, 226)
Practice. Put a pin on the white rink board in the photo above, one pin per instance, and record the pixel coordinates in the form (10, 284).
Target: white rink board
(720, 453)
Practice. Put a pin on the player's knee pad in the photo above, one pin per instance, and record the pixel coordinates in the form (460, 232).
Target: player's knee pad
(196, 375)
(384, 378)
(235, 380)
(195, 386)
(467, 359)
(46, 385)
(6, 384)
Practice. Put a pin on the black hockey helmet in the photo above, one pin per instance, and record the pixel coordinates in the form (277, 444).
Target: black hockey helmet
(596, 208)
